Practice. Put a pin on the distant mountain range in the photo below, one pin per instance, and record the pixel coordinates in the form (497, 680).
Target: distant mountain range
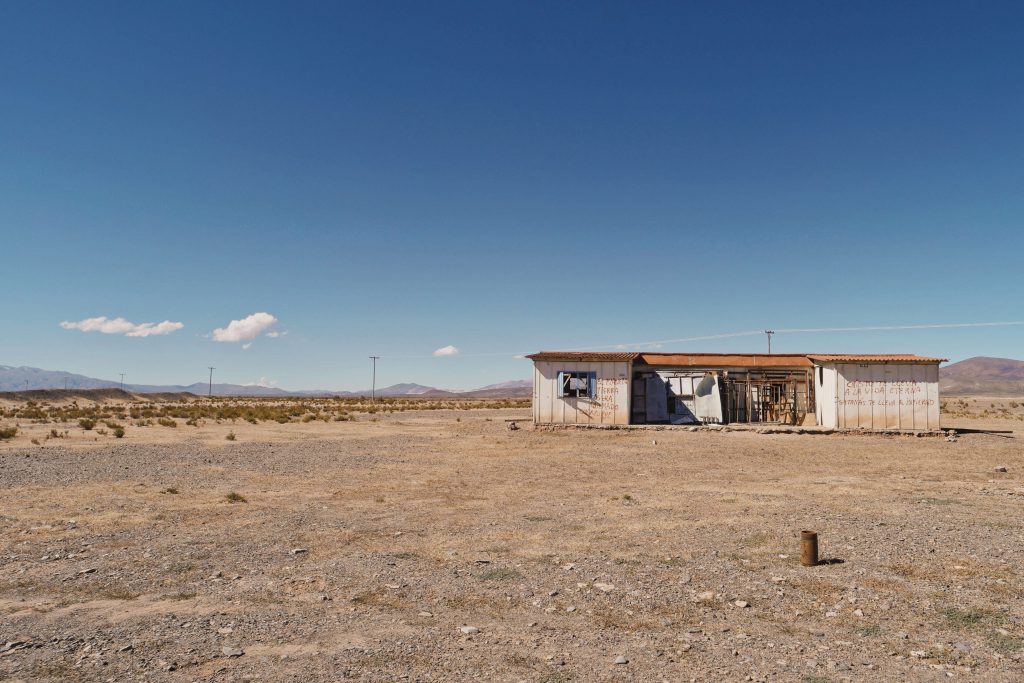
(983, 376)
(23, 378)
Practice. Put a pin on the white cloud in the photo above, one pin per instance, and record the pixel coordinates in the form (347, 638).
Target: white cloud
(263, 382)
(246, 346)
(447, 351)
(246, 329)
(121, 326)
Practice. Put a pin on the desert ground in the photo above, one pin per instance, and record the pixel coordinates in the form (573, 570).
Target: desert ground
(438, 545)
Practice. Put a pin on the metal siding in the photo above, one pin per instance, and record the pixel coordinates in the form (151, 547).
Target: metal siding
(890, 398)
(933, 397)
(904, 403)
(864, 390)
(610, 404)
(920, 397)
(841, 397)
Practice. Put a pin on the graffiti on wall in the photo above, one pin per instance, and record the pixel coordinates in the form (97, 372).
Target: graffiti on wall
(902, 393)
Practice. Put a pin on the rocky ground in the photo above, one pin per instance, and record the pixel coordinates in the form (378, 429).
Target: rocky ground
(439, 545)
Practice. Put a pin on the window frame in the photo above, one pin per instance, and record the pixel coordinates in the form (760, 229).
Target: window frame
(564, 376)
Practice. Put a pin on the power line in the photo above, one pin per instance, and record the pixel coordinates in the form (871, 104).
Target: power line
(747, 333)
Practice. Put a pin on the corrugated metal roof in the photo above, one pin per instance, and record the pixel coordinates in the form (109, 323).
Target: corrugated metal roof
(743, 360)
(730, 360)
(617, 356)
(875, 357)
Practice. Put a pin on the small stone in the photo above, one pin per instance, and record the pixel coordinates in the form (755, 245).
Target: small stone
(126, 648)
(858, 612)
(604, 587)
(232, 651)
(469, 630)
(225, 631)
(426, 614)
(570, 608)
(90, 570)
(705, 596)
(685, 579)
(621, 660)
(918, 654)
(741, 603)
(1001, 468)
(297, 551)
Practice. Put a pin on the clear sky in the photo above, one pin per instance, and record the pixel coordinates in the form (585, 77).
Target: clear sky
(397, 178)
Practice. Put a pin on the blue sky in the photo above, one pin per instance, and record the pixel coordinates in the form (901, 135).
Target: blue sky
(396, 178)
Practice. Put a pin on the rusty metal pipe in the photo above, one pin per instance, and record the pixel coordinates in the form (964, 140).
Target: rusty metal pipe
(808, 548)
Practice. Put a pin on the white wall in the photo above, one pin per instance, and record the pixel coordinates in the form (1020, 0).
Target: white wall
(879, 396)
(610, 404)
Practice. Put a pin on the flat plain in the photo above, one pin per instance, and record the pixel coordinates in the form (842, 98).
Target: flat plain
(438, 545)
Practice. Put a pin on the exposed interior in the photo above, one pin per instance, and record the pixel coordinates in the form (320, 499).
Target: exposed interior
(711, 395)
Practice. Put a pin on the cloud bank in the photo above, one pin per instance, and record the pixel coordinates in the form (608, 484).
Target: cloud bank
(446, 351)
(247, 328)
(121, 326)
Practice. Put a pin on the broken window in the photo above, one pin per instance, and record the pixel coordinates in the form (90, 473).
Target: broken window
(577, 384)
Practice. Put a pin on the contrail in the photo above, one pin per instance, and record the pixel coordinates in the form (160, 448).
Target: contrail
(800, 330)
(750, 333)
(1004, 323)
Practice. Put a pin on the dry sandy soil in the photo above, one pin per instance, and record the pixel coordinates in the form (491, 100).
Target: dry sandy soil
(363, 548)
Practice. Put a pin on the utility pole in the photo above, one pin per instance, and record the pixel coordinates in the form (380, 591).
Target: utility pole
(65, 384)
(122, 380)
(211, 379)
(769, 333)
(373, 389)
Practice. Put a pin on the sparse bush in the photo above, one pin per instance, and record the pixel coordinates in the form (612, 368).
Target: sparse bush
(230, 436)
(36, 442)
(119, 432)
(234, 497)
(8, 432)
(170, 489)
(86, 424)
(167, 422)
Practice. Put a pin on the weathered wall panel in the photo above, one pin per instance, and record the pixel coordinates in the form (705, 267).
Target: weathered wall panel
(610, 404)
(885, 396)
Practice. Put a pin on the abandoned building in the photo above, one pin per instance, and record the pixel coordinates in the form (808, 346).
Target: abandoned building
(839, 391)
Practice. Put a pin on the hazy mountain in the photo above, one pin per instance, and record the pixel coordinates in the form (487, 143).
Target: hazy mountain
(17, 379)
(983, 376)
(22, 378)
